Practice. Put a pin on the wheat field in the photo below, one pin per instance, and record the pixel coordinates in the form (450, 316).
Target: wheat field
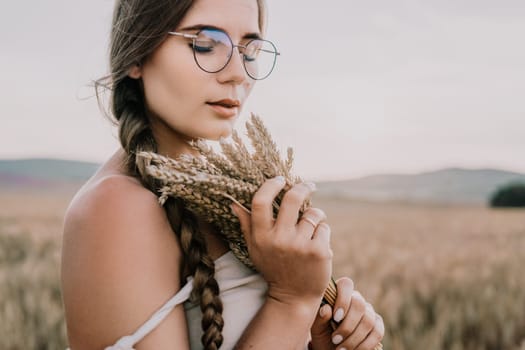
(442, 277)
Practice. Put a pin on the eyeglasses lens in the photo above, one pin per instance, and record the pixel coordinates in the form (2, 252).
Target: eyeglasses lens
(259, 58)
(213, 49)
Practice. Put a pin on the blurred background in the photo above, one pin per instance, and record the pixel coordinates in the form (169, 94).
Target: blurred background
(409, 115)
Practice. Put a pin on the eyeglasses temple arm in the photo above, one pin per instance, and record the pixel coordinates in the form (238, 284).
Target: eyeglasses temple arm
(270, 51)
(184, 35)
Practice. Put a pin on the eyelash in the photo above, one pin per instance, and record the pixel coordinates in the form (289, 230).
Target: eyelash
(202, 49)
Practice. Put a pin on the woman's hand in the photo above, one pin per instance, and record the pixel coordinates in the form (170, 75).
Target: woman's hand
(294, 257)
(360, 327)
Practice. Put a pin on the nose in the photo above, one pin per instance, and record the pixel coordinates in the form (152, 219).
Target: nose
(234, 71)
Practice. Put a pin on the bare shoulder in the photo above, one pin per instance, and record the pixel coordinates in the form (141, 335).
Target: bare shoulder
(114, 195)
(121, 261)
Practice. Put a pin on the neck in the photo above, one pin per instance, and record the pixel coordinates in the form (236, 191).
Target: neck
(170, 142)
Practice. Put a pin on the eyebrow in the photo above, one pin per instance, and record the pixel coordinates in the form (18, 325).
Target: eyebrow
(208, 26)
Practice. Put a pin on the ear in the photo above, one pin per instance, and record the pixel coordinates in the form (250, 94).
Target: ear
(135, 72)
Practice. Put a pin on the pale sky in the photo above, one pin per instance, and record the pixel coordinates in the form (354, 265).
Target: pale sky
(361, 87)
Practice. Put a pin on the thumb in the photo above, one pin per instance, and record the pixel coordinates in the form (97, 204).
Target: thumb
(244, 219)
(321, 329)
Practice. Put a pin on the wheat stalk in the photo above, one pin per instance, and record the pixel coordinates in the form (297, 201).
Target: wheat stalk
(208, 183)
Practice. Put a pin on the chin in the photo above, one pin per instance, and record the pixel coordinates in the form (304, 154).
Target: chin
(224, 135)
(217, 136)
(216, 130)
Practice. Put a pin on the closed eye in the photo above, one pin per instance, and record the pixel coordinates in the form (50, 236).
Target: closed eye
(202, 49)
(249, 58)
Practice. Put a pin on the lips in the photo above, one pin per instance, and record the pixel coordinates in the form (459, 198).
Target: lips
(225, 108)
(228, 103)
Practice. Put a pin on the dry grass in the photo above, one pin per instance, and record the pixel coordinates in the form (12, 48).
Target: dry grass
(31, 313)
(443, 277)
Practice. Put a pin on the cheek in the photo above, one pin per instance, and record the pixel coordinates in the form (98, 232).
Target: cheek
(171, 86)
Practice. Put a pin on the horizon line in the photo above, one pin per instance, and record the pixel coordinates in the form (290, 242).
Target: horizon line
(326, 179)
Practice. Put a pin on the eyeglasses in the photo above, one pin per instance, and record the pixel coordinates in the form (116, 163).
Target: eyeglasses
(213, 50)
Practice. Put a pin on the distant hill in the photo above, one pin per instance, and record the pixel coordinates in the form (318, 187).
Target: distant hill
(453, 185)
(43, 173)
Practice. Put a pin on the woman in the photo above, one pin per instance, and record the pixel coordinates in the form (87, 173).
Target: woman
(182, 70)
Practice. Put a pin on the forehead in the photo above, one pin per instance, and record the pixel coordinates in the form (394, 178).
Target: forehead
(237, 17)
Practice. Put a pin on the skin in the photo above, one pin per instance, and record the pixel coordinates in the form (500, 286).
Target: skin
(121, 260)
(361, 328)
(178, 111)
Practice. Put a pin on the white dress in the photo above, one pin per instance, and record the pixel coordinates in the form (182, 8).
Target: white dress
(242, 292)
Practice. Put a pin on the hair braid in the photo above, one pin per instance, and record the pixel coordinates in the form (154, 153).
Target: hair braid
(205, 287)
(135, 135)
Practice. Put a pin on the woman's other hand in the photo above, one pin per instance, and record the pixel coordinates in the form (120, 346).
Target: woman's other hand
(294, 257)
(359, 326)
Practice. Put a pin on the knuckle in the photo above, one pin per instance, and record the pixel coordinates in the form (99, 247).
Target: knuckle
(317, 213)
(257, 240)
(358, 296)
(358, 302)
(278, 242)
(369, 320)
(259, 202)
(316, 253)
(313, 251)
(324, 232)
(321, 253)
(324, 227)
(320, 236)
(321, 213)
(299, 251)
(295, 195)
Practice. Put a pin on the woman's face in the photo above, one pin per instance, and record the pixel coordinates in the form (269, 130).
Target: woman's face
(178, 93)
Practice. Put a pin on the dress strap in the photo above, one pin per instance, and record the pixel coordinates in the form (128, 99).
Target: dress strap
(127, 342)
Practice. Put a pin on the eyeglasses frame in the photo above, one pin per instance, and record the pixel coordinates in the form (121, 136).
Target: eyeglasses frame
(195, 36)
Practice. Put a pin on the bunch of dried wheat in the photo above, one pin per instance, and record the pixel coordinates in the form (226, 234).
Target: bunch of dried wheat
(208, 184)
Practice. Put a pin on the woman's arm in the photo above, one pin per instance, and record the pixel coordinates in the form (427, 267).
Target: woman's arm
(279, 326)
(294, 258)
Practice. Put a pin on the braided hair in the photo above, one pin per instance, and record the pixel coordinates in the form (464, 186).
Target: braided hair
(139, 27)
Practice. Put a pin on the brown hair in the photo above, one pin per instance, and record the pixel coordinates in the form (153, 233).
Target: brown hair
(139, 27)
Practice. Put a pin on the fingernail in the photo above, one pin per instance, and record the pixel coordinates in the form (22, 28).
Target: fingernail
(338, 315)
(280, 179)
(336, 339)
(312, 186)
(342, 348)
